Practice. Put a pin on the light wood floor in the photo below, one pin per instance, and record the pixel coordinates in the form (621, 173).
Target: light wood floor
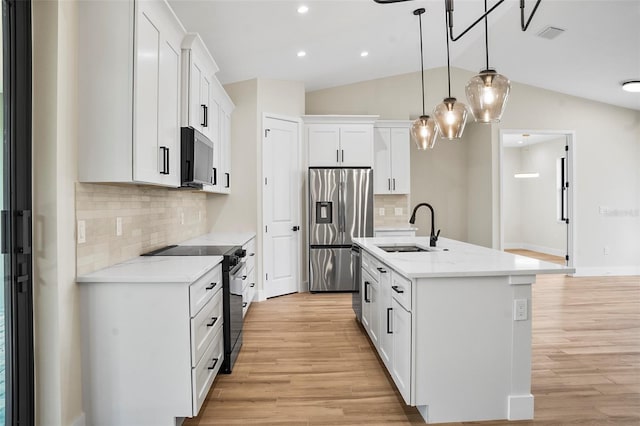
(537, 255)
(306, 361)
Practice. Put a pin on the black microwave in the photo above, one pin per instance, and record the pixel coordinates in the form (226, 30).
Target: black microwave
(197, 159)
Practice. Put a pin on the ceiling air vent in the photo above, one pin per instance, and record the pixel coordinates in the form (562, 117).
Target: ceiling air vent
(550, 33)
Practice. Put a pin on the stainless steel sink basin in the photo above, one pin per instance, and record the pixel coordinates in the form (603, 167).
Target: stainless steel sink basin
(408, 248)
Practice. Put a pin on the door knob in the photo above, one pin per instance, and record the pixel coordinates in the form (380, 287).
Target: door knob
(295, 228)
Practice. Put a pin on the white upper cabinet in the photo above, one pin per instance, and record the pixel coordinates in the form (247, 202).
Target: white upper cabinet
(392, 166)
(129, 92)
(339, 140)
(222, 106)
(199, 70)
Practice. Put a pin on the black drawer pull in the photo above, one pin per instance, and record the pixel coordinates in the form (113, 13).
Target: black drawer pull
(212, 366)
(211, 287)
(244, 305)
(252, 285)
(388, 321)
(395, 288)
(244, 277)
(382, 270)
(213, 321)
(366, 294)
(252, 254)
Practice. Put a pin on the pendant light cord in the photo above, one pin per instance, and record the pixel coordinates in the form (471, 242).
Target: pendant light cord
(421, 62)
(446, 17)
(486, 34)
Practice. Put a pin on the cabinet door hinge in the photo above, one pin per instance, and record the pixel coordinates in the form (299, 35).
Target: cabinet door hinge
(566, 147)
(566, 258)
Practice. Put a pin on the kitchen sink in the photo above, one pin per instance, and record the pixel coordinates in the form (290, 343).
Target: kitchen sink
(407, 249)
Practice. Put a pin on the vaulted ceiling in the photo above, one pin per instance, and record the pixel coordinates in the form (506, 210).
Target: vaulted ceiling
(261, 38)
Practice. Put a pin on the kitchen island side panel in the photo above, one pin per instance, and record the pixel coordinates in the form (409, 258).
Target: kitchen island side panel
(466, 344)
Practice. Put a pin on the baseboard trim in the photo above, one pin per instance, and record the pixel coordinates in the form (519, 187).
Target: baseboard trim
(80, 420)
(604, 271)
(520, 407)
(533, 247)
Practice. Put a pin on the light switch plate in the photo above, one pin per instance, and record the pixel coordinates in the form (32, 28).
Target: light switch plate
(82, 236)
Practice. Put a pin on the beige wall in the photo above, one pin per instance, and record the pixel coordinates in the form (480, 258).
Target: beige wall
(454, 176)
(151, 219)
(390, 203)
(56, 319)
(242, 209)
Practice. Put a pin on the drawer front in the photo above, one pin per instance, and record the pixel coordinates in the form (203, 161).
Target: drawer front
(370, 264)
(204, 326)
(401, 290)
(204, 288)
(250, 247)
(203, 374)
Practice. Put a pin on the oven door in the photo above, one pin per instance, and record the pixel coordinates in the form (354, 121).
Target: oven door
(237, 277)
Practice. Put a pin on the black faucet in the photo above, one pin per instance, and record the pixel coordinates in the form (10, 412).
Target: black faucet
(433, 237)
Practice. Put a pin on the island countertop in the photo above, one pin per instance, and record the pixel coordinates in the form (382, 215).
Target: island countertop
(455, 259)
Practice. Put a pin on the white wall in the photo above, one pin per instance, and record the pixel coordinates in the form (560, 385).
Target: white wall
(607, 156)
(532, 223)
(56, 319)
(242, 209)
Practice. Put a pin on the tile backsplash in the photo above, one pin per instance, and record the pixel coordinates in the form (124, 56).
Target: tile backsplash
(391, 204)
(151, 218)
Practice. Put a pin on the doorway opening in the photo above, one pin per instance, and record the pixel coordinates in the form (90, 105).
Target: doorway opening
(537, 194)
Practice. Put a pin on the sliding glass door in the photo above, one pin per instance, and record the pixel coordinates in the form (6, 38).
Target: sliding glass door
(16, 301)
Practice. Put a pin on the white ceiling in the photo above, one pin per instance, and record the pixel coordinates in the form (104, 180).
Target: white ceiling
(260, 38)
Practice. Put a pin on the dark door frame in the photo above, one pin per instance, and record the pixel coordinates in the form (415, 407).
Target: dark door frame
(16, 219)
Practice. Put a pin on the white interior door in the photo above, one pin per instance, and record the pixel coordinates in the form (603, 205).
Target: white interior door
(281, 206)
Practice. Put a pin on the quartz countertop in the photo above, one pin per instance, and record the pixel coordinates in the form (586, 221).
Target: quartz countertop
(459, 260)
(154, 269)
(220, 239)
(395, 228)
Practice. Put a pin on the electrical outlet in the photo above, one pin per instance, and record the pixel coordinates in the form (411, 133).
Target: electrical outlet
(118, 226)
(82, 236)
(181, 218)
(398, 211)
(607, 250)
(520, 309)
(199, 216)
(381, 211)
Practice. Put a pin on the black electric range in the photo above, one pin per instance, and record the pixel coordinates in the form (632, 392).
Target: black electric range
(233, 272)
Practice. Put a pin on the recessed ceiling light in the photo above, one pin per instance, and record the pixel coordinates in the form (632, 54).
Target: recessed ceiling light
(364, 54)
(520, 142)
(303, 9)
(550, 33)
(631, 86)
(526, 175)
(302, 53)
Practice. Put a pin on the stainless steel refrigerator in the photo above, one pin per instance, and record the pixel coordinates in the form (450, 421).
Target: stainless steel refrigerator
(340, 208)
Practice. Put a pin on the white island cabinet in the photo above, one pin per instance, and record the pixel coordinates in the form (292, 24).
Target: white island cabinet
(453, 326)
(152, 339)
(129, 80)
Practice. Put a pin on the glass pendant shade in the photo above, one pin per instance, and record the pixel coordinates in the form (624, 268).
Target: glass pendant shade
(424, 132)
(451, 117)
(487, 95)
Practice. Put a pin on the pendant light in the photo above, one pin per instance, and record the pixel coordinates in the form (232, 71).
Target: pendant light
(424, 129)
(450, 115)
(488, 91)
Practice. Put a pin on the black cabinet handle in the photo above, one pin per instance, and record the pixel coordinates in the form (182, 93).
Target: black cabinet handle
(389, 182)
(252, 285)
(244, 277)
(382, 270)
(394, 184)
(210, 287)
(295, 228)
(213, 321)
(337, 156)
(228, 180)
(388, 321)
(214, 176)
(205, 114)
(244, 305)
(395, 288)
(165, 160)
(366, 293)
(212, 366)
(343, 155)
(252, 254)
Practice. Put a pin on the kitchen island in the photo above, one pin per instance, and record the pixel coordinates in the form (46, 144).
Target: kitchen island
(452, 324)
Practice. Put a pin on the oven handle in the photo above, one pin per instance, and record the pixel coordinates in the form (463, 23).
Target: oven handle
(238, 268)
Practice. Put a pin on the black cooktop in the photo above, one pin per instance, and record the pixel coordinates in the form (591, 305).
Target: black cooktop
(194, 251)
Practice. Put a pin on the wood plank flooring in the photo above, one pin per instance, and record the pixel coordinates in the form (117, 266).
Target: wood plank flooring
(306, 361)
(537, 255)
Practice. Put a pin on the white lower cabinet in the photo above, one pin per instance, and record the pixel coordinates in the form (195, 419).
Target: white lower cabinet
(150, 351)
(249, 285)
(386, 316)
(401, 358)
